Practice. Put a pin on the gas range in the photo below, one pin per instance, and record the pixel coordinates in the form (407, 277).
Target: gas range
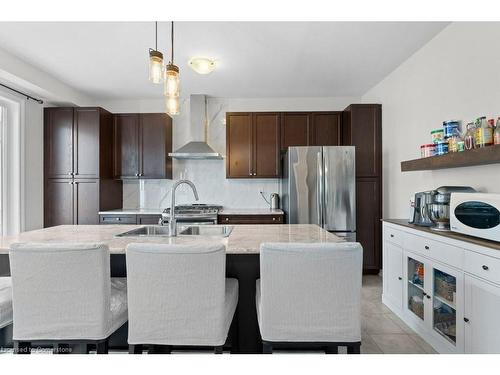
(194, 214)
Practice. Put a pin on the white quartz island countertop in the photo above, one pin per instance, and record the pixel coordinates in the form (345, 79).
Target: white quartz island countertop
(244, 239)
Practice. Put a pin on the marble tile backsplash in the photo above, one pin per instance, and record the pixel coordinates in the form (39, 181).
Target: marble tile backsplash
(210, 181)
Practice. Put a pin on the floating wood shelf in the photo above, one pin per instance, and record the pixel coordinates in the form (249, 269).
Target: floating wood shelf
(480, 156)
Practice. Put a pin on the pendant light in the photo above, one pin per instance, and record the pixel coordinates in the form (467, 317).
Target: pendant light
(155, 61)
(172, 83)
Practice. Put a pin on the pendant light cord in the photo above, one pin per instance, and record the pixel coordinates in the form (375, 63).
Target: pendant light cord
(156, 35)
(172, 37)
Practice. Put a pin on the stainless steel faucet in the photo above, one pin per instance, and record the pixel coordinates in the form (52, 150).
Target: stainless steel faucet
(172, 223)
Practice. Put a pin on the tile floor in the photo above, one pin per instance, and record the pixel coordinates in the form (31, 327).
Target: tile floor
(382, 332)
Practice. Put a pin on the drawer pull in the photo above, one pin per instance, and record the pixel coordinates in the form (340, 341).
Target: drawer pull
(426, 247)
(118, 218)
(466, 320)
(400, 278)
(227, 219)
(392, 235)
(485, 267)
(274, 219)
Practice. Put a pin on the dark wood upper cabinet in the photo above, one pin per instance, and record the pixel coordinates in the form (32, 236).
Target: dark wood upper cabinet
(78, 166)
(126, 130)
(58, 142)
(77, 142)
(362, 127)
(142, 143)
(325, 129)
(155, 132)
(253, 145)
(266, 145)
(310, 129)
(295, 128)
(239, 145)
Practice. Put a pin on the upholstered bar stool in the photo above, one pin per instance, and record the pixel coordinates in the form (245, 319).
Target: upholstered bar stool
(309, 296)
(178, 295)
(5, 309)
(63, 293)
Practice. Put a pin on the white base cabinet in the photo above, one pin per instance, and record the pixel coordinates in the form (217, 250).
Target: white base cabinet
(453, 310)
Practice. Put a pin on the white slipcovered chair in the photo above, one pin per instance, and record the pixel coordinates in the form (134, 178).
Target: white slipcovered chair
(5, 301)
(309, 295)
(63, 293)
(178, 295)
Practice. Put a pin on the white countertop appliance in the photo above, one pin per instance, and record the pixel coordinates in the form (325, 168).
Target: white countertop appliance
(476, 214)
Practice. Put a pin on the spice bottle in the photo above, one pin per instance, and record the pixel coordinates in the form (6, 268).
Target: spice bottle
(484, 133)
(470, 136)
(496, 134)
(455, 142)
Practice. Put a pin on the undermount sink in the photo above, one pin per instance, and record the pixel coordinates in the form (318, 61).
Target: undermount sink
(191, 230)
(147, 231)
(207, 230)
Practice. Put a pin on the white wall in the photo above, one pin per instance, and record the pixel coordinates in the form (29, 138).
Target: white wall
(209, 176)
(455, 76)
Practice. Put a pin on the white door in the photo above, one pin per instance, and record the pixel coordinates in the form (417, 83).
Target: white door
(393, 275)
(482, 316)
(446, 318)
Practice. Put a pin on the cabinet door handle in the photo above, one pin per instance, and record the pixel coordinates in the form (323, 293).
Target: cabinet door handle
(485, 267)
(400, 278)
(426, 247)
(70, 173)
(392, 235)
(466, 320)
(424, 294)
(428, 296)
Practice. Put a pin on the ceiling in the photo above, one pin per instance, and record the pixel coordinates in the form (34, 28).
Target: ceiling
(254, 59)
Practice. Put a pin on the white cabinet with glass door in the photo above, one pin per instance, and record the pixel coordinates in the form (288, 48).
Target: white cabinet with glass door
(433, 302)
(482, 316)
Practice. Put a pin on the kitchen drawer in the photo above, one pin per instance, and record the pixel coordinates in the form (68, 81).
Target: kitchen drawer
(447, 254)
(482, 266)
(117, 219)
(250, 219)
(148, 219)
(394, 235)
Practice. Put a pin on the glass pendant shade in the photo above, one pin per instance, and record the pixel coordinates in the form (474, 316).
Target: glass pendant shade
(172, 82)
(155, 66)
(173, 105)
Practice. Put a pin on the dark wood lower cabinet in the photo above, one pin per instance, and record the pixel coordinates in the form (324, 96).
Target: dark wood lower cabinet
(59, 202)
(368, 222)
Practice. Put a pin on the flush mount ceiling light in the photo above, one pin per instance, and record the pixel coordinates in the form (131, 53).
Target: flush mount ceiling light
(172, 83)
(155, 61)
(202, 65)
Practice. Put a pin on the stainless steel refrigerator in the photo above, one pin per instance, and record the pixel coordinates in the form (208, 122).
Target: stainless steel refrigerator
(319, 187)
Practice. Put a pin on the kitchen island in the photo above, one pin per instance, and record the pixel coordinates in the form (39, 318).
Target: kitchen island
(242, 262)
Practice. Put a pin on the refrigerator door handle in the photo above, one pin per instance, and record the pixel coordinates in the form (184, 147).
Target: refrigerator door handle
(319, 194)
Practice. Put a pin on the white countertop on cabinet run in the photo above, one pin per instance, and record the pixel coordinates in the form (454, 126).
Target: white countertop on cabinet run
(244, 239)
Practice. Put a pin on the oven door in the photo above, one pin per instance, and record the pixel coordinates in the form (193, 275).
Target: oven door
(476, 214)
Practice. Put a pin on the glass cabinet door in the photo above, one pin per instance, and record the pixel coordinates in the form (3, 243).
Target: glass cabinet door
(415, 285)
(444, 308)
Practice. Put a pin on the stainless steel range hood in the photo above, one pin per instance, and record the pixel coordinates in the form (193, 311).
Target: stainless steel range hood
(198, 118)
